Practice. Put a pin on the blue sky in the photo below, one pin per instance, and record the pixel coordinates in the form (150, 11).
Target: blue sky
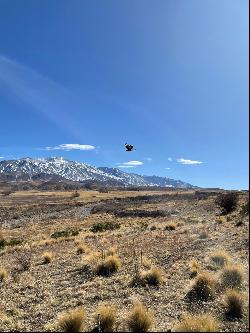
(80, 78)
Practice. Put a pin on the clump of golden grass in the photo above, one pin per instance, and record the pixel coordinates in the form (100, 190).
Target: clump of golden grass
(220, 259)
(108, 266)
(146, 263)
(3, 274)
(232, 276)
(82, 247)
(47, 257)
(221, 219)
(140, 319)
(234, 303)
(170, 226)
(151, 277)
(198, 323)
(203, 287)
(111, 251)
(105, 317)
(72, 321)
(195, 268)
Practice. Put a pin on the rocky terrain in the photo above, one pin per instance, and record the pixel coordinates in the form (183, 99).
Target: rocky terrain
(175, 233)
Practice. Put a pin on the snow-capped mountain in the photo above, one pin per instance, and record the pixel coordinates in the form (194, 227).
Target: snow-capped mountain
(60, 168)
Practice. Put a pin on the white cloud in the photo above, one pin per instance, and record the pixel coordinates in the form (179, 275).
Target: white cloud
(134, 163)
(71, 146)
(130, 164)
(149, 159)
(170, 159)
(188, 162)
(167, 168)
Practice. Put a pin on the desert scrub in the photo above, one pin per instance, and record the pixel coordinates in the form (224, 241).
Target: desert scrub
(64, 233)
(227, 201)
(47, 257)
(219, 259)
(195, 268)
(198, 323)
(140, 319)
(72, 321)
(3, 274)
(232, 276)
(105, 317)
(108, 266)
(170, 226)
(99, 227)
(234, 304)
(203, 288)
(151, 277)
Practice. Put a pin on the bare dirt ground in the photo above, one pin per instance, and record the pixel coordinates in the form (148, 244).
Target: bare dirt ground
(34, 294)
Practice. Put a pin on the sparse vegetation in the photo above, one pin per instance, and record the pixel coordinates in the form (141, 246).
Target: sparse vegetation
(105, 317)
(245, 208)
(154, 266)
(108, 266)
(220, 259)
(232, 276)
(47, 257)
(227, 201)
(72, 321)
(65, 233)
(151, 277)
(140, 319)
(197, 323)
(75, 195)
(170, 226)
(3, 274)
(99, 227)
(195, 268)
(203, 288)
(234, 304)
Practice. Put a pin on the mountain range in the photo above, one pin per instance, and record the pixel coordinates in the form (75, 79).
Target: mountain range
(59, 169)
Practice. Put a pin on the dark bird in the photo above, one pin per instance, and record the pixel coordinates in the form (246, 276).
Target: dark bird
(129, 147)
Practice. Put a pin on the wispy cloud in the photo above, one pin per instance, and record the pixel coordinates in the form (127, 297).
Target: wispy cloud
(167, 168)
(130, 164)
(170, 159)
(71, 146)
(189, 162)
(149, 159)
(1, 157)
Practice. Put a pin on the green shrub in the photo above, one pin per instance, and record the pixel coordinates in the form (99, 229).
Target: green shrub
(227, 201)
(99, 227)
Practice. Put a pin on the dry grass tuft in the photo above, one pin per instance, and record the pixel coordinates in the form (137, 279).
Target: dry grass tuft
(47, 257)
(108, 266)
(234, 304)
(203, 287)
(198, 323)
(232, 276)
(195, 268)
(72, 321)
(151, 277)
(105, 317)
(3, 274)
(170, 226)
(140, 319)
(220, 259)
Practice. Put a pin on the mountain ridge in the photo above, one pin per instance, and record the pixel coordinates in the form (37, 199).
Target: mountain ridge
(28, 168)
